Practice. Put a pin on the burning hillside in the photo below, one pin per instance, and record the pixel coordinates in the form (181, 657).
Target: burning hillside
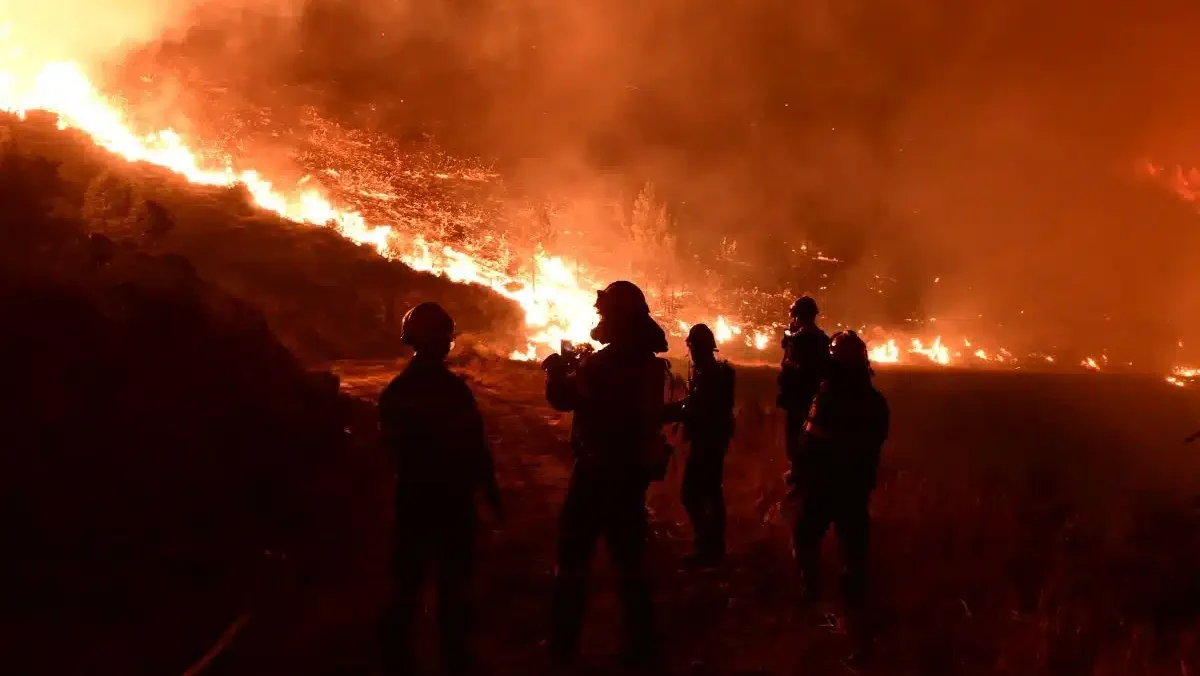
(324, 296)
(174, 470)
(350, 186)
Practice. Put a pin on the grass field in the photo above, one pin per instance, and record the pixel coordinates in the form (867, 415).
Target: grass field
(1025, 524)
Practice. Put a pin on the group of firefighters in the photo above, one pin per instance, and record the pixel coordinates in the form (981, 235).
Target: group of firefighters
(836, 425)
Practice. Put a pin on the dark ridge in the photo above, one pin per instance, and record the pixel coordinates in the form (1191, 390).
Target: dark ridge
(322, 295)
(160, 444)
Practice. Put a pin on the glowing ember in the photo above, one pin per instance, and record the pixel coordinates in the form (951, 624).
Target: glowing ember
(1182, 376)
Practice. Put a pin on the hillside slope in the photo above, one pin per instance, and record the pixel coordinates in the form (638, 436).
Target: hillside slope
(323, 295)
(158, 447)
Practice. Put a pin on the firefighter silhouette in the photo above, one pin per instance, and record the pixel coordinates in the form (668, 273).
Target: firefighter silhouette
(805, 357)
(708, 425)
(835, 466)
(433, 428)
(617, 397)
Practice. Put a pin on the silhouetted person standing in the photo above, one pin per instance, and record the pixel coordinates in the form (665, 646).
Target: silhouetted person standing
(433, 428)
(836, 464)
(805, 357)
(617, 396)
(707, 416)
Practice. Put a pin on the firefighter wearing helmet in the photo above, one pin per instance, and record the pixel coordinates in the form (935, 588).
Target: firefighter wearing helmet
(805, 357)
(836, 465)
(708, 422)
(617, 396)
(434, 432)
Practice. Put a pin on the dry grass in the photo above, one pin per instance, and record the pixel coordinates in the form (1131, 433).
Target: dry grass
(1057, 547)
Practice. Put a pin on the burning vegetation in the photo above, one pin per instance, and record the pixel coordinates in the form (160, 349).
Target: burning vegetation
(327, 297)
(481, 247)
(163, 292)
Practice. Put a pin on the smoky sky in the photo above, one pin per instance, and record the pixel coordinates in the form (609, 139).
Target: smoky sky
(991, 146)
(88, 31)
(62, 29)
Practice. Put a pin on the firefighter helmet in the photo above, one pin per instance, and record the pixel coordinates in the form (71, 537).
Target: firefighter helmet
(805, 306)
(427, 324)
(701, 338)
(621, 299)
(847, 347)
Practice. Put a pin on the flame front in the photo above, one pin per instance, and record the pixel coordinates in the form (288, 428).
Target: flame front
(557, 304)
(557, 307)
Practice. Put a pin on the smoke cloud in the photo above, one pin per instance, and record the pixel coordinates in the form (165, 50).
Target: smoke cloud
(89, 31)
(79, 31)
(993, 147)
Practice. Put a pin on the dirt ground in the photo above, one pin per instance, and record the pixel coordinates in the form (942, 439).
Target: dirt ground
(1024, 524)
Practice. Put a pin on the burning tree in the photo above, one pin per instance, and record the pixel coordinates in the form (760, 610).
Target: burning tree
(535, 233)
(652, 257)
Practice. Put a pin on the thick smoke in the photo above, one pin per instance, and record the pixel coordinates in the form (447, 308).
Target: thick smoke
(93, 31)
(993, 147)
(86, 31)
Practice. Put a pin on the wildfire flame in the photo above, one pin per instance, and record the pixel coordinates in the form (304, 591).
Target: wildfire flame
(936, 352)
(558, 306)
(761, 340)
(885, 353)
(1182, 376)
